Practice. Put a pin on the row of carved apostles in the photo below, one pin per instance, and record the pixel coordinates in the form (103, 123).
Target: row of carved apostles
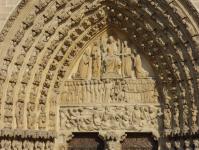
(31, 117)
(134, 118)
(26, 144)
(110, 91)
(189, 144)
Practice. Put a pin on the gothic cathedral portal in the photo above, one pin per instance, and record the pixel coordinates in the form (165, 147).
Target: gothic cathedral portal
(100, 75)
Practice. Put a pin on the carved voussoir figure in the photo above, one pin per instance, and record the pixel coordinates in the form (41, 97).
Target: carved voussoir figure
(19, 114)
(187, 145)
(82, 72)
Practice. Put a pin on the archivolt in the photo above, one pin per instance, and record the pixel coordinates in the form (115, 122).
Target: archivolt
(53, 35)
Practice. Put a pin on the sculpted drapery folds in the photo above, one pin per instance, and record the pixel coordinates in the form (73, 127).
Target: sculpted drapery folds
(83, 68)
(112, 62)
(130, 118)
(19, 114)
(96, 55)
(139, 71)
(112, 57)
(110, 91)
(127, 60)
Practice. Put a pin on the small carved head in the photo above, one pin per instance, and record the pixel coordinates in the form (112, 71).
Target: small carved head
(136, 107)
(168, 145)
(196, 143)
(177, 144)
(134, 51)
(96, 42)
(87, 51)
(125, 43)
(146, 109)
(125, 117)
(111, 39)
(187, 143)
(111, 145)
(118, 117)
(96, 82)
(127, 108)
(107, 80)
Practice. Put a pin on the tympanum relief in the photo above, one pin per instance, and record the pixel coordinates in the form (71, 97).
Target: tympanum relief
(111, 55)
(132, 118)
(111, 70)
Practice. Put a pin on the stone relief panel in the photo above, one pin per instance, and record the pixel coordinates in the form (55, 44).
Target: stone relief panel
(111, 55)
(133, 118)
(111, 70)
(111, 91)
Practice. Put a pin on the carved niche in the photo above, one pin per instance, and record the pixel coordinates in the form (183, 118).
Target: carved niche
(112, 88)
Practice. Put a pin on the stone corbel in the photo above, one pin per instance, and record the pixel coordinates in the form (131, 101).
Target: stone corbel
(7, 132)
(176, 131)
(30, 134)
(69, 137)
(156, 136)
(184, 131)
(19, 132)
(112, 139)
(194, 130)
(167, 132)
(63, 139)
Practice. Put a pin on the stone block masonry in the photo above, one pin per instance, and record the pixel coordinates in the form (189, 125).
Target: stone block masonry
(6, 7)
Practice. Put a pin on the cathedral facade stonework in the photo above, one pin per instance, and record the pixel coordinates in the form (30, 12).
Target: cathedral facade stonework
(100, 75)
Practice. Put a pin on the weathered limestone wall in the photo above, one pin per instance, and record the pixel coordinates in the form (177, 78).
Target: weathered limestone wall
(196, 2)
(7, 6)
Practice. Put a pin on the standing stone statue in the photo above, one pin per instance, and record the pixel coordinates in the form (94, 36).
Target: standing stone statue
(96, 56)
(82, 72)
(19, 113)
(101, 91)
(127, 60)
(88, 92)
(112, 62)
(139, 71)
(92, 92)
(108, 87)
(83, 92)
(136, 115)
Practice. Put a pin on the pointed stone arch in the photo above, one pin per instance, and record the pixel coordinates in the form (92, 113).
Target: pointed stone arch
(40, 36)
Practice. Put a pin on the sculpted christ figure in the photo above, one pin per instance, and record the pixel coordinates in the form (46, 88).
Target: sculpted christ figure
(112, 62)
